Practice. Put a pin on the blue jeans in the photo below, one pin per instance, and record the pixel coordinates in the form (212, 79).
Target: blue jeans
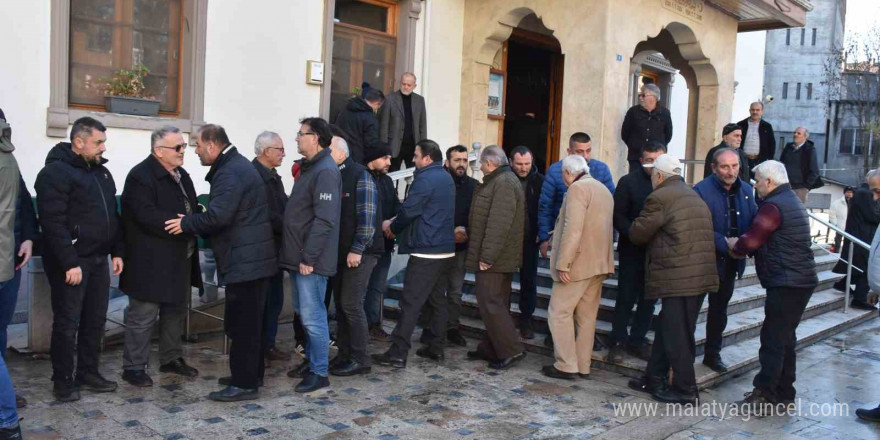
(376, 289)
(8, 298)
(274, 304)
(308, 301)
(8, 413)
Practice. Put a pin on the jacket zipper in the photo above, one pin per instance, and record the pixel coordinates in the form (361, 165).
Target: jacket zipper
(104, 200)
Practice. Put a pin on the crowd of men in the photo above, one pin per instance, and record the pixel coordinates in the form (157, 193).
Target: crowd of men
(335, 233)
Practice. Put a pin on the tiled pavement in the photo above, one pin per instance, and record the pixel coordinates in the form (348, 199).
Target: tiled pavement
(451, 400)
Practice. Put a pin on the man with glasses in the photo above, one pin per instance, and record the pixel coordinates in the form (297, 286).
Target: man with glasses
(156, 190)
(643, 123)
(403, 121)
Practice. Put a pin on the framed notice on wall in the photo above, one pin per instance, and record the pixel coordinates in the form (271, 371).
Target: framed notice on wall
(496, 94)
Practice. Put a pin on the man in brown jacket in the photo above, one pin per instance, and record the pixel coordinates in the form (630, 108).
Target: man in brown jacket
(581, 261)
(676, 225)
(494, 254)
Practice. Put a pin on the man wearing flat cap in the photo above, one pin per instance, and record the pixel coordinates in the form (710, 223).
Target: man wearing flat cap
(731, 137)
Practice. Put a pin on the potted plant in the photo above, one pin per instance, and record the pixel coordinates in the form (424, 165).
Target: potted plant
(125, 93)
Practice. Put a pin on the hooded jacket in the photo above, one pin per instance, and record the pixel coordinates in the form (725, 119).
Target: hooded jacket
(361, 127)
(9, 187)
(76, 202)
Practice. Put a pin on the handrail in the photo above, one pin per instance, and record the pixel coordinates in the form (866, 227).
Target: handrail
(843, 233)
(407, 173)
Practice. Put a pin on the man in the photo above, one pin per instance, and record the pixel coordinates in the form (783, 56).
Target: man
(456, 164)
(311, 245)
(731, 139)
(759, 142)
(155, 190)
(732, 203)
(403, 121)
(861, 222)
(522, 161)
(582, 259)
(237, 223)
(360, 245)
(390, 203)
(76, 199)
(643, 123)
(676, 226)
(838, 212)
(780, 239)
(359, 123)
(269, 151)
(424, 224)
(801, 164)
(629, 199)
(494, 254)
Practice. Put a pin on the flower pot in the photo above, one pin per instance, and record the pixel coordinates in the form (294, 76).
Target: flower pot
(131, 106)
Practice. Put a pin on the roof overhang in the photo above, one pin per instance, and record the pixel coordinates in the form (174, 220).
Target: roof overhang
(760, 15)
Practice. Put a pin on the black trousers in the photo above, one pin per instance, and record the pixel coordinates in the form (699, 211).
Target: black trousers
(405, 156)
(79, 315)
(425, 280)
(782, 314)
(528, 275)
(716, 320)
(631, 292)
(352, 331)
(674, 342)
(245, 307)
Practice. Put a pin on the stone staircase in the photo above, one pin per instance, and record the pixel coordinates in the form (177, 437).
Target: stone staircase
(823, 317)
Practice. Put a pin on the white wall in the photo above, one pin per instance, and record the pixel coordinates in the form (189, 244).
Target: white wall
(679, 111)
(749, 72)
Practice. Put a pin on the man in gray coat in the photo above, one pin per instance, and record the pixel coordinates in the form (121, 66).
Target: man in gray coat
(403, 121)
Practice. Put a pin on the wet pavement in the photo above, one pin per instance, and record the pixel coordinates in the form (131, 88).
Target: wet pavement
(450, 400)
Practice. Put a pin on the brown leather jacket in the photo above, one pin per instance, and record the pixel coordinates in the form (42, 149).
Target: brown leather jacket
(495, 233)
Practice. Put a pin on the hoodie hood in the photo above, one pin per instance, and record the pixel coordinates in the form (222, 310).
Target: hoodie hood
(62, 152)
(357, 104)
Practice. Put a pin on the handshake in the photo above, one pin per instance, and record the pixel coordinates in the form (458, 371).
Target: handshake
(731, 243)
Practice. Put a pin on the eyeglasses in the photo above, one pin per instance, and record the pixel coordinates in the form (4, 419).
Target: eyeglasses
(177, 148)
(300, 134)
(641, 95)
(276, 148)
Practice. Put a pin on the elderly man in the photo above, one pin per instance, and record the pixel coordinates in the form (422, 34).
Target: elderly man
(643, 123)
(495, 253)
(238, 225)
(838, 213)
(801, 164)
(731, 138)
(403, 121)
(424, 225)
(155, 190)
(677, 228)
(862, 222)
(582, 259)
(76, 199)
(523, 163)
(759, 142)
(732, 204)
(311, 245)
(359, 123)
(780, 240)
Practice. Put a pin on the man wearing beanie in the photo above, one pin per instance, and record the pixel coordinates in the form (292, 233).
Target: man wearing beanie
(731, 137)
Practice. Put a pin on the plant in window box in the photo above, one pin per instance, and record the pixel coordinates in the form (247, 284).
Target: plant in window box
(125, 93)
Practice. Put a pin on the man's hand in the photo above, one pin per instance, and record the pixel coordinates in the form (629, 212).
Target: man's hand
(731, 242)
(544, 247)
(305, 270)
(386, 228)
(461, 235)
(353, 260)
(173, 226)
(25, 251)
(117, 265)
(484, 266)
(73, 276)
(565, 277)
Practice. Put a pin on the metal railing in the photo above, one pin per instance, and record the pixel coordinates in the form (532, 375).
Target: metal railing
(849, 259)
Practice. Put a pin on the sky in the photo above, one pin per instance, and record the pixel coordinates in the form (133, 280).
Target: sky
(861, 14)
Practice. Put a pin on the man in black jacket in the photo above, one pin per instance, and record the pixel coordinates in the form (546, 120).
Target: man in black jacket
(237, 223)
(645, 122)
(522, 163)
(76, 199)
(802, 164)
(759, 142)
(731, 137)
(155, 190)
(269, 150)
(360, 124)
(861, 222)
(390, 203)
(629, 199)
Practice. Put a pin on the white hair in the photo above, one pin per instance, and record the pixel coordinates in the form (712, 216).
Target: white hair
(264, 140)
(341, 143)
(160, 133)
(653, 89)
(773, 170)
(495, 155)
(575, 165)
(872, 174)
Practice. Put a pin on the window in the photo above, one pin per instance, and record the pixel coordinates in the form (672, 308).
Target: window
(814, 36)
(854, 140)
(782, 140)
(803, 35)
(797, 94)
(785, 90)
(788, 37)
(809, 90)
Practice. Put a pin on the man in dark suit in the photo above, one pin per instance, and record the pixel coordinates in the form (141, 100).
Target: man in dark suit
(403, 121)
(759, 142)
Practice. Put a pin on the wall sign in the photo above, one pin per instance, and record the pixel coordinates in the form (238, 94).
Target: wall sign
(692, 9)
(496, 94)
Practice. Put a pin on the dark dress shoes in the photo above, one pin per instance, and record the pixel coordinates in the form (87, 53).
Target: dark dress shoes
(234, 394)
(389, 361)
(526, 330)
(454, 336)
(350, 367)
(429, 353)
(312, 382)
(179, 366)
(93, 381)
(11, 433)
(300, 370)
(552, 371)
(504, 364)
(65, 390)
(584, 376)
(337, 361)
(861, 305)
(641, 350)
(669, 395)
(715, 363)
(649, 385)
(138, 378)
(227, 381)
(871, 415)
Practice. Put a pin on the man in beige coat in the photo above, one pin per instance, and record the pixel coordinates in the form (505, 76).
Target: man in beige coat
(581, 261)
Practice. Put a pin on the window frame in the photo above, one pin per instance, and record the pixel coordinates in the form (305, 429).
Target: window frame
(803, 35)
(785, 90)
(788, 37)
(809, 91)
(797, 94)
(814, 36)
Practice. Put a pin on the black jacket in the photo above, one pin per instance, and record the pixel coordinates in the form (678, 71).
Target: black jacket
(236, 221)
(786, 260)
(352, 173)
(809, 166)
(861, 222)
(361, 127)
(76, 203)
(275, 197)
(533, 195)
(26, 226)
(766, 138)
(641, 126)
(155, 269)
(743, 161)
(464, 194)
(311, 219)
(389, 201)
(629, 199)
